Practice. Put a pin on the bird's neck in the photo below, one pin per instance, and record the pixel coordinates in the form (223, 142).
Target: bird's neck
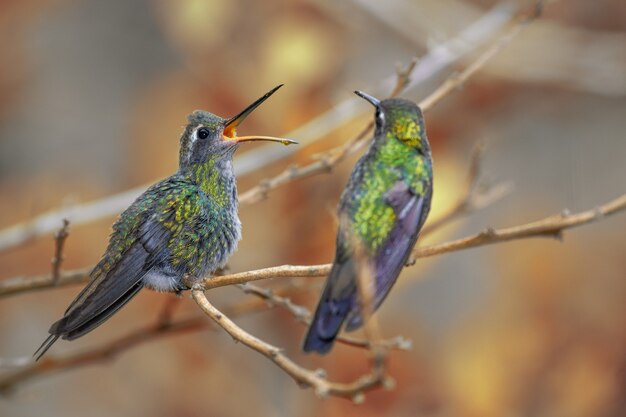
(389, 150)
(216, 178)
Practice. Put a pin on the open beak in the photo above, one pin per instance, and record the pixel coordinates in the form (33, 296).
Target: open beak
(373, 100)
(230, 127)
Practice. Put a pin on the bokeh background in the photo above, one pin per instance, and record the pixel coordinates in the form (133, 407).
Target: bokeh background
(93, 95)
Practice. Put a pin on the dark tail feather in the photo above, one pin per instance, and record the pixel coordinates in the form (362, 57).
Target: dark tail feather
(59, 329)
(336, 302)
(104, 315)
(324, 327)
(47, 344)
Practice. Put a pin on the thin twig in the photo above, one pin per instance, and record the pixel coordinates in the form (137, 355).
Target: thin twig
(433, 63)
(59, 241)
(304, 377)
(163, 327)
(18, 285)
(366, 286)
(326, 161)
(167, 312)
(50, 364)
(552, 226)
(475, 196)
(303, 315)
(456, 82)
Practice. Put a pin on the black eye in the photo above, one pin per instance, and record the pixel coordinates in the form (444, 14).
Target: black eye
(380, 116)
(203, 133)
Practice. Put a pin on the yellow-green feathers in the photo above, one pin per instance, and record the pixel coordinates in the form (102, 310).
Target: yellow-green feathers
(373, 218)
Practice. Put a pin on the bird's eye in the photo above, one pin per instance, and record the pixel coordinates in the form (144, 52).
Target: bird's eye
(203, 133)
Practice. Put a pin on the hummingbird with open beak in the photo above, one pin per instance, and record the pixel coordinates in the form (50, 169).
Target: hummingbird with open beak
(184, 226)
(382, 209)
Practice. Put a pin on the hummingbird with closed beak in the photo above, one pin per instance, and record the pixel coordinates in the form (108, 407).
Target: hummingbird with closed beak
(184, 226)
(382, 209)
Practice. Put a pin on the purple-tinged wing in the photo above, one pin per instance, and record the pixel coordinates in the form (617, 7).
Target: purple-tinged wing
(411, 212)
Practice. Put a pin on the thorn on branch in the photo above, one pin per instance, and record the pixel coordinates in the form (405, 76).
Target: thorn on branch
(358, 398)
(321, 373)
(389, 383)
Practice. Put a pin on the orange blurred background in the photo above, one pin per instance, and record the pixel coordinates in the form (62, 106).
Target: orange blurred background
(92, 99)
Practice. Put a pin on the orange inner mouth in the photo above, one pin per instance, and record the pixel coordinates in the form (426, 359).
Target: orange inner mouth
(230, 132)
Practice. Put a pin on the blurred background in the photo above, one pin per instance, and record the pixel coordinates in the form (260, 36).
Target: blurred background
(93, 97)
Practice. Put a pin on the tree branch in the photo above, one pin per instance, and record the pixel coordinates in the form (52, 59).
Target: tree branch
(329, 159)
(164, 326)
(59, 241)
(50, 365)
(476, 197)
(433, 63)
(552, 226)
(304, 377)
(303, 315)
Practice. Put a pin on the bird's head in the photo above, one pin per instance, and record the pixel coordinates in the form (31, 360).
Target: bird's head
(399, 118)
(208, 136)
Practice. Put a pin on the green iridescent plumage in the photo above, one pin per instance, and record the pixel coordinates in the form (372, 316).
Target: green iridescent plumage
(185, 226)
(383, 208)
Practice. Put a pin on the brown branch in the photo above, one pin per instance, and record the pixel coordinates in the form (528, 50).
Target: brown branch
(303, 315)
(475, 197)
(57, 259)
(329, 159)
(326, 162)
(457, 81)
(50, 365)
(550, 226)
(434, 62)
(366, 287)
(164, 326)
(304, 377)
(18, 285)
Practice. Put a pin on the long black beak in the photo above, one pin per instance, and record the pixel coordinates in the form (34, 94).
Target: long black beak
(231, 124)
(373, 100)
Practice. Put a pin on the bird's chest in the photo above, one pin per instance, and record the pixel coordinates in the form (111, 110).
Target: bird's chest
(372, 217)
(206, 239)
(219, 230)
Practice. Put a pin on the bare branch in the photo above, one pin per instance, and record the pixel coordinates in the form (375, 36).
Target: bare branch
(164, 326)
(456, 82)
(475, 197)
(433, 63)
(304, 377)
(552, 226)
(329, 159)
(49, 365)
(17, 285)
(366, 286)
(59, 241)
(303, 315)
